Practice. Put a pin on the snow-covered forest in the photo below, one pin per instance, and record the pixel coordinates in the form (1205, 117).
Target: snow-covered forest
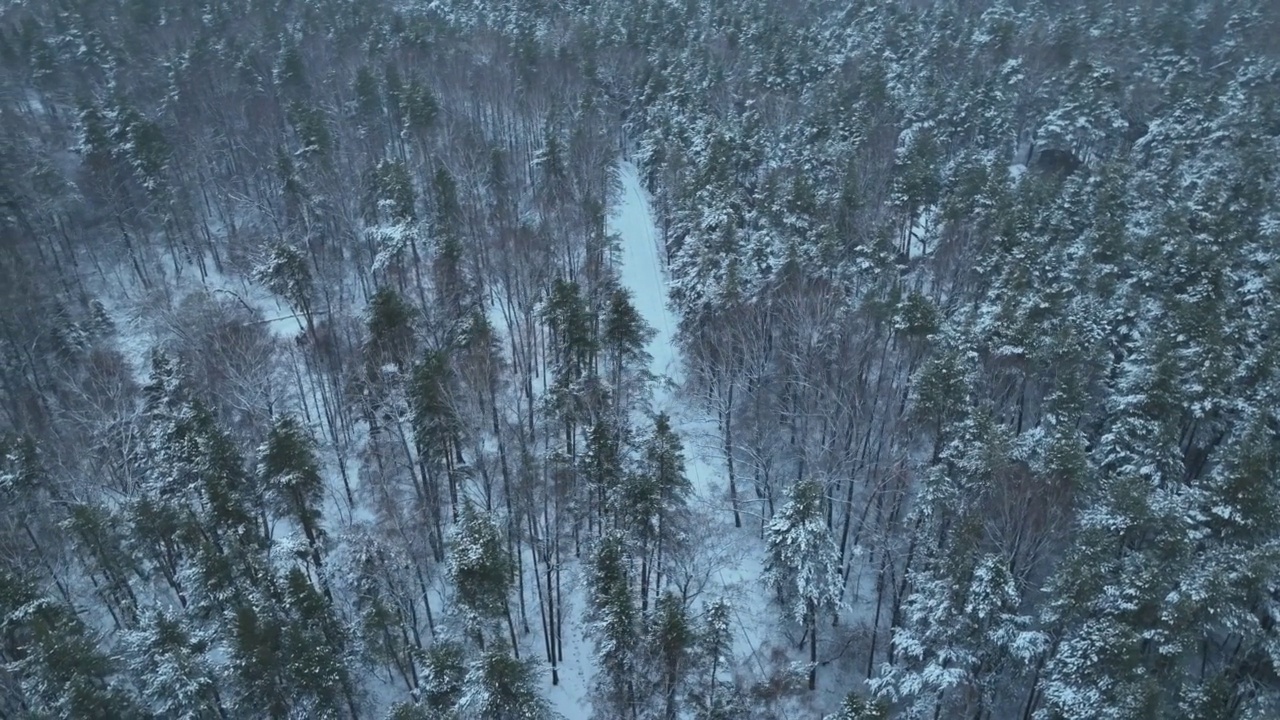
(640, 359)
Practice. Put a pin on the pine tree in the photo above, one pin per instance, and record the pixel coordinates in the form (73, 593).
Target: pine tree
(369, 573)
(160, 536)
(857, 707)
(105, 555)
(392, 224)
(393, 191)
(436, 428)
(670, 641)
(500, 687)
(614, 625)
(711, 697)
(961, 627)
(455, 293)
(1109, 592)
(955, 640)
(288, 652)
(291, 68)
(368, 93)
(291, 477)
(193, 466)
(435, 421)
(802, 563)
(172, 665)
(412, 711)
(622, 340)
(654, 502)
(28, 494)
(480, 570)
(391, 334)
(54, 659)
(316, 649)
(602, 468)
(569, 320)
(419, 106)
(443, 677)
(285, 272)
(311, 126)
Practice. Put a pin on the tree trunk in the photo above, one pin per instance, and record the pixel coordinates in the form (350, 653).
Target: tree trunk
(813, 645)
(728, 458)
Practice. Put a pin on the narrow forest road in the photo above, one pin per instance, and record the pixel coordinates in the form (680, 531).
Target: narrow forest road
(642, 273)
(631, 219)
(730, 559)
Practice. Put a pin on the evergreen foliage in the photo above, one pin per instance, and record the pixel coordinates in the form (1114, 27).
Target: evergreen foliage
(335, 382)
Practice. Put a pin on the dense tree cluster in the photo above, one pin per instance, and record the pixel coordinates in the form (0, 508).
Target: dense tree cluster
(322, 393)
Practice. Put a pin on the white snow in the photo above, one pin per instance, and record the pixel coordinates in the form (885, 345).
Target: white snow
(642, 272)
